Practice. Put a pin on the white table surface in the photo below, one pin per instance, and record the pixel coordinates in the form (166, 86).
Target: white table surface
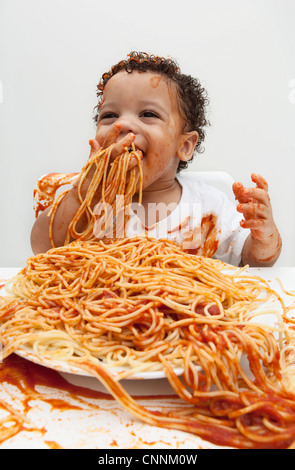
(107, 425)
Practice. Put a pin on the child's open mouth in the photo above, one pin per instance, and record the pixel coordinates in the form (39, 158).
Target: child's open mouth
(137, 150)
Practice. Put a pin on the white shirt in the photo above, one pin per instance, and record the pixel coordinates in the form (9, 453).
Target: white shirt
(205, 222)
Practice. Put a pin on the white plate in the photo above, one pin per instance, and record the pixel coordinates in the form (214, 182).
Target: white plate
(62, 366)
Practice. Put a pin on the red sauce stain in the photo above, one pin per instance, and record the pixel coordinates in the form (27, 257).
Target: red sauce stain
(27, 376)
(53, 445)
(208, 243)
(181, 226)
(155, 81)
(3, 282)
(46, 189)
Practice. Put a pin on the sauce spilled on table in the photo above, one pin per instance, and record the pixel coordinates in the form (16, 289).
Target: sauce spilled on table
(33, 383)
(27, 377)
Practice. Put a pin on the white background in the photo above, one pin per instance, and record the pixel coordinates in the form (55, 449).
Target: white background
(52, 54)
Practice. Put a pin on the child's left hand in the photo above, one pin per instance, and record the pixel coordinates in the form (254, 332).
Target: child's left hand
(254, 204)
(263, 246)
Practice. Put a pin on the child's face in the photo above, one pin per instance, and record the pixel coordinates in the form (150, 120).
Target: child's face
(145, 105)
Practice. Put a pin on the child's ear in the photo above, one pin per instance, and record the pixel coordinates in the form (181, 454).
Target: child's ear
(187, 146)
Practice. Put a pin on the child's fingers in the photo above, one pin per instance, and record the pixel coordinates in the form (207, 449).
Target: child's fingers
(260, 194)
(257, 195)
(253, 224)
(112, 136)
(259, 181)
(94, 147)
(121, 146)
(239, 192)
(253, 210)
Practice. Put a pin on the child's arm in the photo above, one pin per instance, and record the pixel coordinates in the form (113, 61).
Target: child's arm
(263, 245)
(40, 241)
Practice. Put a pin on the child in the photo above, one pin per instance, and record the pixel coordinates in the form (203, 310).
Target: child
(146, 101)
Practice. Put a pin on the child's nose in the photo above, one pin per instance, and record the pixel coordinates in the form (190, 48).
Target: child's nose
(128, 124)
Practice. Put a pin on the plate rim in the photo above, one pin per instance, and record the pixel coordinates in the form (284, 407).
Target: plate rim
(62, 366)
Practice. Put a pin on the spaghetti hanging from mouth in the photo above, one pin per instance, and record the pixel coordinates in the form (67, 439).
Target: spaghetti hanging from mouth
(111, 188)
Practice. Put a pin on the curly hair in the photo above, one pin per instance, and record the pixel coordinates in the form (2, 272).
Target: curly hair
(192, 96)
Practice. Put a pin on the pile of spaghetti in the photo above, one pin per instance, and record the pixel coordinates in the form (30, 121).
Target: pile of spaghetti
(145, 305)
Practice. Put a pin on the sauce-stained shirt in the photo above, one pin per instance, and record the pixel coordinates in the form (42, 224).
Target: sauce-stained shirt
(205, 222)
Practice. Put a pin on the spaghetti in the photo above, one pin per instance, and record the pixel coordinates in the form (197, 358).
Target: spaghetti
(110, 182)
(146, 305)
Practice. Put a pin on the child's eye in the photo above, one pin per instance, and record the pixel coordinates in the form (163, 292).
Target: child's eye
(108, 116)
(149, 114)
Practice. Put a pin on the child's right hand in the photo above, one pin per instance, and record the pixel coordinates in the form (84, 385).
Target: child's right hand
(71, 203)
(118, 148)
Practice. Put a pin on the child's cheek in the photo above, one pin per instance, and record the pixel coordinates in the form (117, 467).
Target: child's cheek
(100, 138)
